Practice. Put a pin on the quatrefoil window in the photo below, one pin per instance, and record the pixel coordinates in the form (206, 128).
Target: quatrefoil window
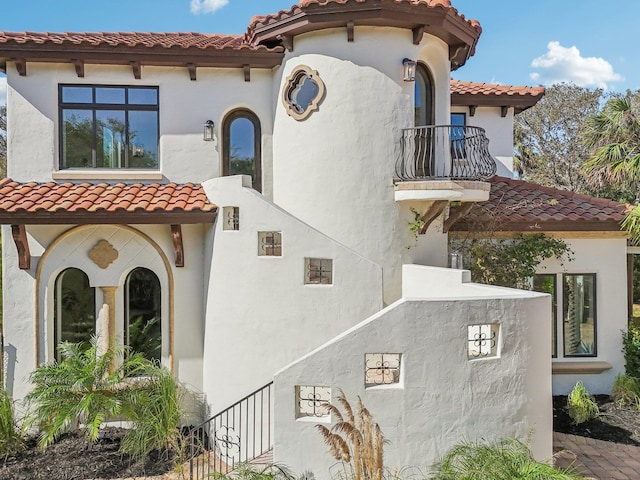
(303, 92)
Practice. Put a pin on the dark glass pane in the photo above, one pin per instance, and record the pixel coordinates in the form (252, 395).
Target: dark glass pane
(110, 95)
(423, 98)
(77, 138)
(304, 94)
(143, 327)
(77, 94)
(458, 119)
(579, 315)
(110, 139)
(242, 154)
(546, 283)
(143, 96)
(75, 307)
(143, 139)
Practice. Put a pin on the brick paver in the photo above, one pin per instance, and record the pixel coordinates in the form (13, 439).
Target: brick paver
(597, 459)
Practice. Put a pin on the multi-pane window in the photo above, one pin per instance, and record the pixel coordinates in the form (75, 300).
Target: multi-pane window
(270, 244)
(312, 401)
(75, 309)
(546, 283)
(381, 369)
(318, 271)
(143, 324)
(579, 315)
(109, 127)
(241, 150)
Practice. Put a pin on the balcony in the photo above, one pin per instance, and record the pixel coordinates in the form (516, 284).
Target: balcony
(444, 162)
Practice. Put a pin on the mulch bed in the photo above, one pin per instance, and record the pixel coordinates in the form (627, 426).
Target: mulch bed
(72, 457)
(620, 424)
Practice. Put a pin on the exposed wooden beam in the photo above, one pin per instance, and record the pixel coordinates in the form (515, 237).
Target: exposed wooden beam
(418, 33)
(21, 66)
(504, 109)
(456, 215)
(136, 67)
(19, 234)
(287, 41)
(435, 210)
(350, 30)
(247, 72)
(192, 71)
(472, 110)
(178, 247)
(79, 66)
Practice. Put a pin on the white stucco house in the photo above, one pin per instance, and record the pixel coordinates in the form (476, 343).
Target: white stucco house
(244, 209)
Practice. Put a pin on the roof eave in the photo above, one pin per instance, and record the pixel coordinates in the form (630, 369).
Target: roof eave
(104, 217)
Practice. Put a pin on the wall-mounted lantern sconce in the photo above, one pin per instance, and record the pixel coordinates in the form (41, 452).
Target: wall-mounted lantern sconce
(409, 70)
(208, 131)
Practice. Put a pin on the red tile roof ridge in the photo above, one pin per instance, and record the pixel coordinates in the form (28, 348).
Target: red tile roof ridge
(462, 87)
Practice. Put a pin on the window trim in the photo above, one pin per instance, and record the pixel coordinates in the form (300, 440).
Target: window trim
(94, 107)
(595, 317)
(126, 341)
(554, 310)
(257, 143)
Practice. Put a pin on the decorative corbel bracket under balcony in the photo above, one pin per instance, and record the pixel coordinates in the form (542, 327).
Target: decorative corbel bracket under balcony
(19, 234)
(433, 212)
(178, 246)
(456, 215)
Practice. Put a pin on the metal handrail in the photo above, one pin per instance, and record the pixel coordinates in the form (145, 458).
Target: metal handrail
(444, 152)
(237, 434)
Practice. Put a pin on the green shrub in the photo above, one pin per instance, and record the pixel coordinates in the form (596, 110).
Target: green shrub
(154, 404)
(631, 351)
(81, 391)
(10, 433)
(581, 404)
(626, 390)
(503, 460)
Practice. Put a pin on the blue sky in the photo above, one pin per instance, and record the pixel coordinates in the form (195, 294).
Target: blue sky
(524, 42)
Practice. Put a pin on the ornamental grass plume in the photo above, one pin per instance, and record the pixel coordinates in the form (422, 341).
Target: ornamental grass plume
(355, 439)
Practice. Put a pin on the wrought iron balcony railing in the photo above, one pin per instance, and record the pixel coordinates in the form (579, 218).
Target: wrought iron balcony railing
(444, 152)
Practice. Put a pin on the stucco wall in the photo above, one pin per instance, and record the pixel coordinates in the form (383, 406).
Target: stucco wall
(184, 106)
(606, 257)
(260, 315)
(335, 169)
(499, 132)
(443, 397)
(28, 295)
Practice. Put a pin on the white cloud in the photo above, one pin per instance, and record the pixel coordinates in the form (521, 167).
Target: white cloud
(561, 64)
(207, 6)
(3, 90)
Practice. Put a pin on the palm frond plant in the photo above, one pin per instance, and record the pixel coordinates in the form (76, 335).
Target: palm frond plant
(508, 459)
(11, 435)
(581, 404)
(626, 390)
(355, 439)
(82, 390)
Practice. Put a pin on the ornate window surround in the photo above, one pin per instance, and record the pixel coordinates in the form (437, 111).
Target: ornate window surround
(292, 82)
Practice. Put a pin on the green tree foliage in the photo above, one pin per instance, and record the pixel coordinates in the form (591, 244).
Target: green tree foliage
(631, 351)
(502, 460)
(510, 262)
(546, 136)
(81, 391)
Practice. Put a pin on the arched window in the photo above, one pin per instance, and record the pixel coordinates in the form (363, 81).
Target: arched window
(143, 320)
(424, 104)
(75, 309)
(241, 154)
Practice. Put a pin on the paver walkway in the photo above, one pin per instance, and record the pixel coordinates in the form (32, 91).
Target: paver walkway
(597, 459)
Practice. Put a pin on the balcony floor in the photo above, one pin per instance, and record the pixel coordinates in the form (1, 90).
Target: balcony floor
(431, 190)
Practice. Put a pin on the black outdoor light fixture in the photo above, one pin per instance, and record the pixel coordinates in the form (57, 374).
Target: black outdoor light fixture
(409, 70)
(208, 131)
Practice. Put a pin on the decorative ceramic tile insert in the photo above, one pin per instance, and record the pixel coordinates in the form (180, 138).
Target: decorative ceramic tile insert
(231, 218)
(269, 244)
(318, 271)
(312, 401)
(482, 340)
(381, 369)
(103, 254)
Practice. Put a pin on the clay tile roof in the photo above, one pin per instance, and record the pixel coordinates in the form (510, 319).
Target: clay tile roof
(50, 202)
(476, 93)
(516, 205)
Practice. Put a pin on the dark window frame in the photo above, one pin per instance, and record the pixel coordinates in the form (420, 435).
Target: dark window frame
(96, 107)
(595, 317)
(127, 310)
(428, 118)
(257, 143)
(554, 312)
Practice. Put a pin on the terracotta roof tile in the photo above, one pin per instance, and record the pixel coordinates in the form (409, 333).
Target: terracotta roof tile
(22, 200)
(477, 88)
(516, 205)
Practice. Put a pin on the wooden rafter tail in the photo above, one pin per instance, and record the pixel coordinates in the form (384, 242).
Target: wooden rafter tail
(457, 215)
(434, 211)
(19, 234)
(178, 246)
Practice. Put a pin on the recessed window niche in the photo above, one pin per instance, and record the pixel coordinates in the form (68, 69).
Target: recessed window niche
(482, 340)
(269, 244)
(381, 369)
(312, 401)
(318, 271)
(231, 218)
